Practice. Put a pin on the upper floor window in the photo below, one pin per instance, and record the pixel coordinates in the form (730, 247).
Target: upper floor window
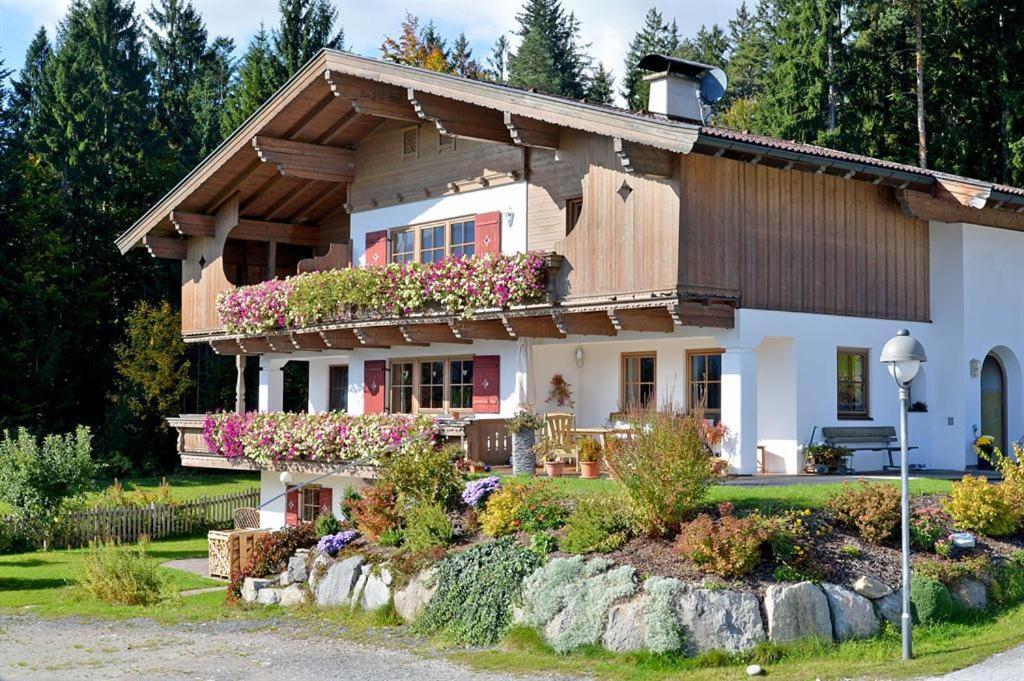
(638, 380)
(337, 400)
(403, 246)
(445, 143)
(432, 384)
(433, 242)
(463, 237)
(411, 142)
(852, 383)
(704, 375)
(573, 209)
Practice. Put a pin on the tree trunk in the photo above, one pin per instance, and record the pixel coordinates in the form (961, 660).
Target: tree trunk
(922, 146)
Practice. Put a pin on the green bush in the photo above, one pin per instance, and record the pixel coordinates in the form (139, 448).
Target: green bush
(423, 473)
(728, 547)
(952, 572)
(392, 537)
(543, 543)
(519, 507)
(271, 553)
(427, 526)
(1007, 585)
(476, 591)
(932, 602)
(662, 632)
(376, 511)
(596, 525)
(327, 524)
(123, 574)
(927, 526)
(975, 504)
(665, 470)
(870, 508)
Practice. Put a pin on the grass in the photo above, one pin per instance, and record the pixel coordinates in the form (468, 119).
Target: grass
(43, 582)
(187, 486)
(938, 650)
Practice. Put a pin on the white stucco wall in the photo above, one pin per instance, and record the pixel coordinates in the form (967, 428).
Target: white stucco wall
(272, 491)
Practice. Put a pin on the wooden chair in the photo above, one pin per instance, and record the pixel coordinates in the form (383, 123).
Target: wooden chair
(558, 429)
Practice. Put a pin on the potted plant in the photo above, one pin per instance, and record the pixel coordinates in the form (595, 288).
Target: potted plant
(523, 427)
(824, 458)
(553, 465)
(478, 466)
(590, 458)
(560, 392)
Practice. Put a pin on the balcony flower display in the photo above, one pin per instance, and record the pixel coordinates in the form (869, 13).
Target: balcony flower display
(456, 285)
(274, 437)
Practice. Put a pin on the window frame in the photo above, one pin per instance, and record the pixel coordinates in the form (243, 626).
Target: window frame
(417, 232)
(300, 512)
(570, 223)
(690, 404)
(415, 153)
(446, 392)
(624, 359)
(865, 355)
(445, 142)
(330, 385)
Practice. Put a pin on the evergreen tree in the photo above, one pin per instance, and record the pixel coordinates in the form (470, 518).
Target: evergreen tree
(498, 59)
(462, 61)
(601, 89)
(22, 97)
(306, 26)
(709, 46)
(416, 47)
(550, 57)
(749, 40)
(655, 37)
(257, 79)
(210, 93)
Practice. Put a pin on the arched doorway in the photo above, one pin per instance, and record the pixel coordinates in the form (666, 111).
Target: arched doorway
(993, 403)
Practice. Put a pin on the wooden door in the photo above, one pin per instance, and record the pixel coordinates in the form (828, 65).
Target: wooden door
(993, 404)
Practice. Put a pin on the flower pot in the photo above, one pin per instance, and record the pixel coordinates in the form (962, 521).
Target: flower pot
(590, 469)
(523, 458)
(816, 469)
(477, 468)
(554, 469)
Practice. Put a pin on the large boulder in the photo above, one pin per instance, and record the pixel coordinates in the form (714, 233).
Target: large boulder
(297, 569)
(625, 631)
(293, 595)
(890, 607)
(971, 594)
(318, 570)
(337, 585)
(718, 620)
(797, 611)
(268, 596)
(411, 601)
(871, 587)
(252, 586)
(853, 616)
(376, 590)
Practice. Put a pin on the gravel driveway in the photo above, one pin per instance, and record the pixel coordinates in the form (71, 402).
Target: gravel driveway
(34, 650)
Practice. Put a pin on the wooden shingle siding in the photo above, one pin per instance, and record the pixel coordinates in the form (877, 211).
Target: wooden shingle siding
(800, 242)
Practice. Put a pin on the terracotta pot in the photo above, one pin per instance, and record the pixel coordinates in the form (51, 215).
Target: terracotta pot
(553, 469)
(477, 468)
(590, 469)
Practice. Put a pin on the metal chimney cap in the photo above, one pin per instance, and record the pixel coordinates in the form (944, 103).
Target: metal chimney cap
(661, 63)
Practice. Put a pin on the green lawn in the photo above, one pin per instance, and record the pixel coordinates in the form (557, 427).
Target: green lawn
(189, 485)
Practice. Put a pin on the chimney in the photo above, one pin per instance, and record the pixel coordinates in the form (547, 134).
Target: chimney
(680, 89)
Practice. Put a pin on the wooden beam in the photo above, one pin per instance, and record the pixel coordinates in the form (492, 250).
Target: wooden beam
(165, 247)
(643, 160)
(340, 126)
(233, 186)
(311, 161)
(535, 327)
(313, 112)
(308, 341)
(530, 132)
(281, 342)
(339, 339)
(642, 319)
(588, 324)
(925, 207)
(282, 232)
(382, 336)
(372, 99)
(481, 329)
(255, 346)
(969, 193)
(227, 347)
(430, 333)
(192, 224)
(714, 315)
(453, 117)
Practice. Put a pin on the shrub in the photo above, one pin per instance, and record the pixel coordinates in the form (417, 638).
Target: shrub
(791, 538)
(123, 574)
(476, 591)
(1007, 586)
(477, 492)
(499, 515)
(975, 504)
(589, 450)
(115, 496)
(1012, 470)
(927, 526)
(662, 632)
(952, 572)
(423, 473)
(870, 508)
(543, 543)
(932, 603)
(327, 524)
(665, 470)
(524, 420)
(333, 543)
(271, 553)
(728, 547)
(529, 508)
(392, 537)
(375, 512)
(427, 526)
(596, 524)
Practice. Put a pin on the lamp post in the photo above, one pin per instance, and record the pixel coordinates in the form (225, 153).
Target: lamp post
(903, 355)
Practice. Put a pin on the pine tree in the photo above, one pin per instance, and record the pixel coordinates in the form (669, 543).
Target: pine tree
(415, 47)
(498, 59)
(22, 97)
(601, 89)
(709, 46)
(306, 26)
(210, 93)
(749, 51)
(550, 57)
(462, 61)
(656, 37)
(257, 79)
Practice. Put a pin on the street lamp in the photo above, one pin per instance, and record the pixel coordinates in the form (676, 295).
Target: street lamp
(903, 355)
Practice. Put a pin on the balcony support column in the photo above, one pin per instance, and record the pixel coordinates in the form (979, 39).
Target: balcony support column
(271, 392)
(739, 409)
(240, 384)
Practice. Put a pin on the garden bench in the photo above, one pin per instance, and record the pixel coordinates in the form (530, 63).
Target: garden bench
(865, 439)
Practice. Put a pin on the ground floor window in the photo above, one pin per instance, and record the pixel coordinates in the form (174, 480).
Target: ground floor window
(852, 383)
(704, 378)
(309, 504)
(432, 385)
(338, 397)
(638, 380)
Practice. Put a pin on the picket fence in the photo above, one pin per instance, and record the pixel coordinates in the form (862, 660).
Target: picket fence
(154, 521)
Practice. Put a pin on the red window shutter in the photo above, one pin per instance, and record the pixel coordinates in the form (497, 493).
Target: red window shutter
(486, 372)
(488, 233)
(374, 382)
(291, 507)
(377, 248)
(326, 501)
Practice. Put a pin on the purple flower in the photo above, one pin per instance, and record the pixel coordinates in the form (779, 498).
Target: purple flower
(477, 491)
(331, 544)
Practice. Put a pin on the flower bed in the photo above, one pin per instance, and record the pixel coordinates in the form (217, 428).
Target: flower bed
(272, 437)
(456, 285)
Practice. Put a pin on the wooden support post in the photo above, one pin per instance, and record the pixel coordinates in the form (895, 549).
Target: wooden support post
(240, 384)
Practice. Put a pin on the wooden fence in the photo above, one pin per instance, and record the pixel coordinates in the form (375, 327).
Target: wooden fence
(154, 521)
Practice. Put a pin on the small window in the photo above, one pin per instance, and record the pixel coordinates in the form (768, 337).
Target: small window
(432, 244)
(852, 383)
(704, 373)
(445, 143)
(411, 142)
(638, 383)
(403, 246)
(463, 238)
(338, 398)
(401, 388)
(431, 394)
(461, 384)
(573, 209)
(309, 504)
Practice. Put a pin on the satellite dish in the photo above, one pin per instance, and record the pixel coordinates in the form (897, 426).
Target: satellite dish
(712, 85)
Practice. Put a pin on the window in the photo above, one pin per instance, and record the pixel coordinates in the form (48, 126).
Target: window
(432, 385)
(337, 399)
(704, 376)
(411, 142)
(462, 237)
(401, 387)
(432, 244)
(573, 209)
(852, 383)
(445, 142)
(309, 504)
(638, 385)
(403, 246)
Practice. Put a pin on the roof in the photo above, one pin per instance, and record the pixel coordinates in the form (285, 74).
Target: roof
(308, 87)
